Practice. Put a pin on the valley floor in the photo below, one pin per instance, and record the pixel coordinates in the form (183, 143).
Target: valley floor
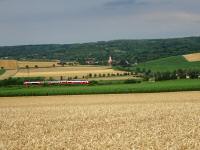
(125, 121)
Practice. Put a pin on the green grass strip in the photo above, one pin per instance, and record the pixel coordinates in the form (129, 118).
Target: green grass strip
(144, 87)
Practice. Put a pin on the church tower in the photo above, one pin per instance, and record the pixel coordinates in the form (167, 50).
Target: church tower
(110, 61)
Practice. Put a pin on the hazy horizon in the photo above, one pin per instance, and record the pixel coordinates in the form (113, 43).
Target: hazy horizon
(100, 41)
(26, 22)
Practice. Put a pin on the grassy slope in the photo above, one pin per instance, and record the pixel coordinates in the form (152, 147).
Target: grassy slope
(169, 64)
(2, 71)
(164, 86)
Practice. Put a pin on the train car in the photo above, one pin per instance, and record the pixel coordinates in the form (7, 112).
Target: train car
(56, 82)
(63, 82)
(77, 82)
(33, 83)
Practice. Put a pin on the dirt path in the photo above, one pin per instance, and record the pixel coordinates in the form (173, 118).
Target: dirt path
(123, 121)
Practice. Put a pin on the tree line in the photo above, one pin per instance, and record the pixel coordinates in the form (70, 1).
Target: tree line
(177, 74)
(131, 50)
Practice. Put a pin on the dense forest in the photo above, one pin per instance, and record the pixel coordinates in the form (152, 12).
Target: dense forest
(130, 50)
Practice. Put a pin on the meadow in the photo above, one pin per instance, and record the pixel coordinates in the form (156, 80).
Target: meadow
(126, 121)
(144, 87)
(168, 64)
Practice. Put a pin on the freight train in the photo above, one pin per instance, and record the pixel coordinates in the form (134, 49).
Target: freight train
(63, 82)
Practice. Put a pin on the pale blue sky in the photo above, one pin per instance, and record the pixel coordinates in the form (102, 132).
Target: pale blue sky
(77, 21)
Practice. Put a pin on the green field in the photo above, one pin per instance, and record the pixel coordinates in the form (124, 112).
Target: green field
(168, 64)
(2, 71)
(144, 87)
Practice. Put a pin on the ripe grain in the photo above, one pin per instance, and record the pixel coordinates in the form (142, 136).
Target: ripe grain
(127, 121)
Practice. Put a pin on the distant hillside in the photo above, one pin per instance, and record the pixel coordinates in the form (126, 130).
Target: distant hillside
(168, 64)
(131, 50)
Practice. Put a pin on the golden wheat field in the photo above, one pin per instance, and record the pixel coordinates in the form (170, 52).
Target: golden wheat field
(39, 64)
(78, 71)
(129, 121)
(192, 57)
(8, 64)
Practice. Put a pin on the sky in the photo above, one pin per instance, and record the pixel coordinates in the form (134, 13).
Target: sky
(78, 21)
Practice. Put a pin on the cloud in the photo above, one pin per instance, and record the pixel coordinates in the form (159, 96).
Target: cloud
(123, 3)
(173, 17)
(68, 21)
(120, 3)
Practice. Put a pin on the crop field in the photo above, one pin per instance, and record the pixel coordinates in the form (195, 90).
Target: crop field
(78, 71)
(39, 64)
(192, 57)
(126, 121)
(8, 64)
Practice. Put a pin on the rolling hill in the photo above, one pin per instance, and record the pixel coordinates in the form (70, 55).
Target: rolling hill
(131, 50)
(168, 64)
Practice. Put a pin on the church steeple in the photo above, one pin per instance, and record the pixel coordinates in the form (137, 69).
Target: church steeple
(110, 60)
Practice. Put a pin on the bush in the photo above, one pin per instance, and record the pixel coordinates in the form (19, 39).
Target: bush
(51, 78)
(90, 75)
(69, 78)
(129, 81)
(18, 81)
(93, 82)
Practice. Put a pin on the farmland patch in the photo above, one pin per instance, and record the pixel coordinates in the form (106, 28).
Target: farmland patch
(127, 121)
(192, 57)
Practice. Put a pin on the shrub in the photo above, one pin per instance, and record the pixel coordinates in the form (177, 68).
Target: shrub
(93, 82)
(51, 78)
(18, 81)
(90, 75)
(129, 81)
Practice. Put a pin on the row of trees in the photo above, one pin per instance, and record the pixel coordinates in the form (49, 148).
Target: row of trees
(177, 74)
(90, 75)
